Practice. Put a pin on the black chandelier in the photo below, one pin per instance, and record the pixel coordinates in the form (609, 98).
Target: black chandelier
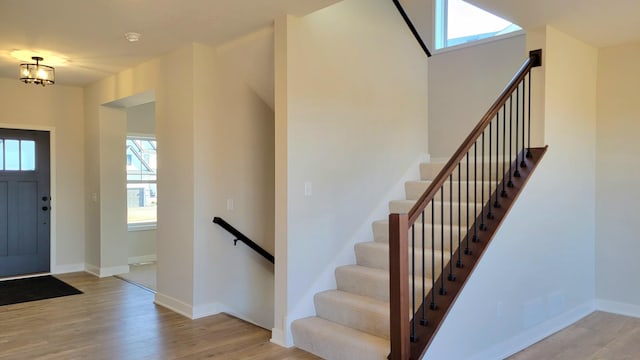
(37, 73)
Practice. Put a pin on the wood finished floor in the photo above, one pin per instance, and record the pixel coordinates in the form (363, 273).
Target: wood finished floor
(117, 320)
(599, 336)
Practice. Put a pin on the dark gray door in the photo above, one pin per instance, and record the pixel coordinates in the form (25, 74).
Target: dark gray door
(24, 202)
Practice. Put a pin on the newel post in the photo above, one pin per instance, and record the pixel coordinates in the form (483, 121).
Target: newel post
(399, 286)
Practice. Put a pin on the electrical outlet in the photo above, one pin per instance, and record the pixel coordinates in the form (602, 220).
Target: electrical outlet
(230, 205)
(307, 189)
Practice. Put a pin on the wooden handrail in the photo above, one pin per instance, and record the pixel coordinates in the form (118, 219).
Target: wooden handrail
(457, 157)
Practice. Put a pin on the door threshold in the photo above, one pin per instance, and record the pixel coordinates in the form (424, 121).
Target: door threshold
(26, 276)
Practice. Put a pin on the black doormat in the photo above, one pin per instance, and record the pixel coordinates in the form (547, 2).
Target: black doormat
(32, 289)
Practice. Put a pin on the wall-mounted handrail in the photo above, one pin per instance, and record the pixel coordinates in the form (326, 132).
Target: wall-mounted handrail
(242, 237)
(413, 29)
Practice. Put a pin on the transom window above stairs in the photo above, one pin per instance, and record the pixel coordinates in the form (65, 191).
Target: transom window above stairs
(458, 22)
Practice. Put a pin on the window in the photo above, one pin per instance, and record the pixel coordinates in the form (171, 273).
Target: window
(142, 191)
(17, 155)
(458, 22)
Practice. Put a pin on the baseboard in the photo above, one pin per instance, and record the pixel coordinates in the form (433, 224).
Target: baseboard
(200, 311)
(618, 308)
(92, 269)
(531, 336)
(278, 338)
(68, 268)
(174, 305)
(142, 259)
(106, 271)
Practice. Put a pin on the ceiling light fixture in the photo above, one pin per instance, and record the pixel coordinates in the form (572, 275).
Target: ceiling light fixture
(132, 36)
(37, 73)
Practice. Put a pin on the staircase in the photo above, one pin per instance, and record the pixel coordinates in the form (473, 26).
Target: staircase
(432, 242)
(352, 321)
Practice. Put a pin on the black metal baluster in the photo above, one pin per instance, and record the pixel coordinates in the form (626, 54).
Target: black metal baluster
(475, 192)
(423, 321)
(452, 276)
(467, 251)
(443, 291)
(483, 225)
(524, 95)
(529, 120)
(413, 282)
(517, 172)
(490, 213)
(433, 305)
(496, 204)
(510, 184)
(504, 148)
(459, 263)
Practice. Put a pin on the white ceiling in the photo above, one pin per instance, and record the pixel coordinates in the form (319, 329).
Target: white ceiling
(600, 23)
(90, 33)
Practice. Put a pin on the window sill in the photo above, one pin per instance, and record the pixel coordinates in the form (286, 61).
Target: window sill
(143, 227)
(479, 42)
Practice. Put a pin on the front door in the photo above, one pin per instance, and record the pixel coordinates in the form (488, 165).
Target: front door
(24, 202)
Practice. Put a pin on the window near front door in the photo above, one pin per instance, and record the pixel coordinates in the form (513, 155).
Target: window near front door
(17, 155)
(458, 22)
(142, 190)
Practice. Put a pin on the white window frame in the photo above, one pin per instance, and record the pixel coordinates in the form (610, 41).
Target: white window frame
(141, 226)
(440, 26)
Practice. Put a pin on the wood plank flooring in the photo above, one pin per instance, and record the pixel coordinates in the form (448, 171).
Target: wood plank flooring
(117, 320)
(600, 336)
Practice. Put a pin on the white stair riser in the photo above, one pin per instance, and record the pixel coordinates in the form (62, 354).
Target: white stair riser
(378, 257)
(381, 234)
(364, 317)
(449, 210)
(415, 189)
(429, 171)
(372, 283)
(329, 340)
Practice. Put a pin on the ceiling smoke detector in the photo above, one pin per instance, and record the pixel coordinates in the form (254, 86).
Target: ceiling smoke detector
(132, 36)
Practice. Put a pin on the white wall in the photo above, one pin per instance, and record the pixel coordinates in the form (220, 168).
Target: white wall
(57, 108)
(141, 119)
(463, 84)
(234, 161)
(618, 177)
(114, 254)
(213, 144)
(354, 117)
(170, 77)
(538, 275)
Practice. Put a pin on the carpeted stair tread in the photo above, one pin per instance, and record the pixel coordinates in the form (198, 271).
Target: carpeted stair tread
(330, 340)
(352, 321)
(355, 311)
